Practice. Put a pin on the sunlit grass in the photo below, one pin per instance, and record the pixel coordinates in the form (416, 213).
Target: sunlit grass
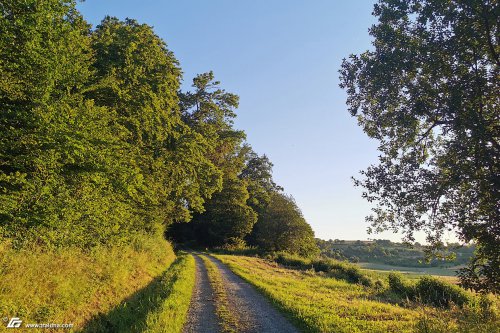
(72, 286)
(162, 306)
(174, 296)
(321, 304)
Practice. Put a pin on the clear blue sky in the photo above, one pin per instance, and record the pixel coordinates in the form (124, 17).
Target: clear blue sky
(282, 59)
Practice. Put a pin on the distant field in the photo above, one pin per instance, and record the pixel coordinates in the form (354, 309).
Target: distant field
(440, 271)
(411, 273)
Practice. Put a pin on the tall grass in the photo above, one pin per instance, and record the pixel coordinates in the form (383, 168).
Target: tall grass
(71, 285)
(161, 306)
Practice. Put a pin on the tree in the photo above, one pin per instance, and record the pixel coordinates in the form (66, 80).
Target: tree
(429, 93)
(258, 172)
(52, 140)
(281, 227)
(164, 172)
(226, 219)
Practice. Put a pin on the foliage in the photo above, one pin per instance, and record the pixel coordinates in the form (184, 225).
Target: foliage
(281, 227)
(227, 218)
(429, 290)
(139, 78)
(98, 143)
(333, 268)
(479, 275)
(429, 93)
(93, 147)
(53, 152)
(257, 172)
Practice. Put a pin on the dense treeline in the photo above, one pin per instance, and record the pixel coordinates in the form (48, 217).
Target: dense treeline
(98, 144)
(398, 254)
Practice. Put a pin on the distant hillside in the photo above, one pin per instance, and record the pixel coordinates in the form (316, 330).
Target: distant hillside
(386, 252)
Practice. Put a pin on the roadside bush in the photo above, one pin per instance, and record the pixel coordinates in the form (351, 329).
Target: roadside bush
(347, 272)
(478, 316)
(429, 290)
(293, 261)
(401, 287)
(332, 268)
(439, 293)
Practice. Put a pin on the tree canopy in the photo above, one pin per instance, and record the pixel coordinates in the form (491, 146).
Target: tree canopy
(282, 227)
(98, 143)
(428, 92)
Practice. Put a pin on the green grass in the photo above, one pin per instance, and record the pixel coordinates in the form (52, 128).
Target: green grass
(160, 307)
(227, 320)
(319, 303)
(438, 271)
(73, 286)
(175, 297)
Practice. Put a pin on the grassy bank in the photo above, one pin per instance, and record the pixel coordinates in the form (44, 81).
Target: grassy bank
(319, 303)
(73, 286)
(161, 306)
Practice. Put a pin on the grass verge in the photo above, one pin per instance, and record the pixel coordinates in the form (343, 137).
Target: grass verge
(178, 285)
(320, 304)
(160, 307)
(229, 323)
(71, 285)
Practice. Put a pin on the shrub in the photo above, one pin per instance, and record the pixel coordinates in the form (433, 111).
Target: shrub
(439, 293)
(478, 316)
(429, 290)
(335, 269)
(400, 287)
(348, 272)
(294, 261)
